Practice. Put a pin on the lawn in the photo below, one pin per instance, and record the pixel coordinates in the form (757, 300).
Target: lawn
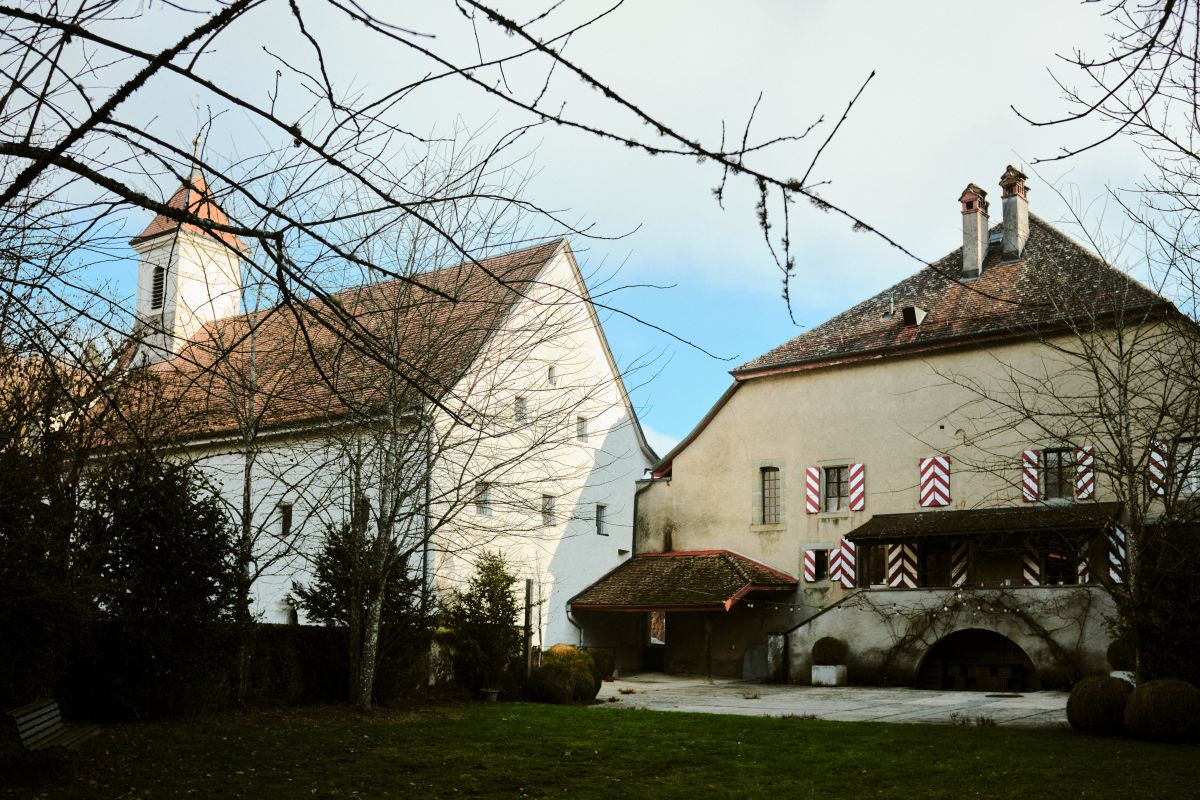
(521, 750)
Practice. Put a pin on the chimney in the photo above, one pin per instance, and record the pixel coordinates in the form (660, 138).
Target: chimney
(975, 229)
(1016, 212)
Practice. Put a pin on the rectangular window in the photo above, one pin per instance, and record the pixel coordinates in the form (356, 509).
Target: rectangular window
(821, 565)
(837, 489)
(483, 499)
(521, 409)
(581, 429)
(873, 561)
(601, 529)
(933, 564)
(547, 509)
(769, 484)
(285, 520)
(1187, 466)
(1061, 567)
(157, 288)
(552, 375)
(1058, 474)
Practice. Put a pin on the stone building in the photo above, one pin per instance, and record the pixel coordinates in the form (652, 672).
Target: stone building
(872, 480)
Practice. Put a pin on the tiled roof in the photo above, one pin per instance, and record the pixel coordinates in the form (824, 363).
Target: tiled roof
(702, 580)
(310, 362)
(195, 198)
(1031, 518)
(1055, 281)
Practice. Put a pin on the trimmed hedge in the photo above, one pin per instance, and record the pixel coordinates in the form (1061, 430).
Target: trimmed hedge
(579, 668)
(1164, 711)
(829, 652)
(605, 662)
(552, 683)
(1096, 706)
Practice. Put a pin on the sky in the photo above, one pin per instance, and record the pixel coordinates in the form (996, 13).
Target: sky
(936, 116)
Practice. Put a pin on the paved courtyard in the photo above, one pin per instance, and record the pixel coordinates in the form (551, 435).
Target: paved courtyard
(857, 703)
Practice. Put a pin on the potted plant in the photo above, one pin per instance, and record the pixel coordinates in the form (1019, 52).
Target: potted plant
(829, 662)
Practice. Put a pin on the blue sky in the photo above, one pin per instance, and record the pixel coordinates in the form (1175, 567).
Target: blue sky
(936, 116)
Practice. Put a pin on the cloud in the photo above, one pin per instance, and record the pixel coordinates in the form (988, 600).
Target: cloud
(661, 442)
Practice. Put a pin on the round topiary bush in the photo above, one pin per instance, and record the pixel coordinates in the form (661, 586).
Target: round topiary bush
(585, 676)
(1096, 706)
(552, 683)
(829, 652)
(1120, 655)
(1164, 711)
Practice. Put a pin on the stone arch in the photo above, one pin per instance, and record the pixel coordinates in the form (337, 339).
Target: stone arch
(977, 659)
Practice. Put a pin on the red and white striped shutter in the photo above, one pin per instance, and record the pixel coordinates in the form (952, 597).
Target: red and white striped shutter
(1159, 463)
(1116, 554)
(847, 570)
(858, 487)
(1032, 566)
(1083, 571)
(1030, 479)
(1085, 472)
(812, 490)
(902, 566)
(835, 563)
(935, 481)
(810, 566)
(959, 560)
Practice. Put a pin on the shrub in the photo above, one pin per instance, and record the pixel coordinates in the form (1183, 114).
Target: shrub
(828, 652)
(585, 677)
(1120, 655)
(1164, 711)
(1096, 706)
(551, 683)
(605, 662)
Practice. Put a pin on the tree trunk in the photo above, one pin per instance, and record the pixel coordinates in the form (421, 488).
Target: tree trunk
(370, 651)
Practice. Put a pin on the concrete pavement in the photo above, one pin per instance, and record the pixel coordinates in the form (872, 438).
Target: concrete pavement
(854, 703)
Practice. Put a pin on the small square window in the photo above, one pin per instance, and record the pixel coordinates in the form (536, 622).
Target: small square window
(483, 499)
(601, 524)
(821, 565)
(521, 409)
(547, 509)
(581, 426)
(837, 489)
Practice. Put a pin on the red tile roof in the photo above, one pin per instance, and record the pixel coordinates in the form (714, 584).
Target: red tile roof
(195, 198)
(699, 580)
(1055, 281)
(310, 362)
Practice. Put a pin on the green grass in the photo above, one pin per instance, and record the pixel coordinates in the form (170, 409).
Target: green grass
(521, 750)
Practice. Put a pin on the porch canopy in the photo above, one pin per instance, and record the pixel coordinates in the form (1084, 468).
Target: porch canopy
(926, 525)
(699, 580)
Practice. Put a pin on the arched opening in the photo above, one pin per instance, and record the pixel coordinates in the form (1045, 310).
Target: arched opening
(977, 660)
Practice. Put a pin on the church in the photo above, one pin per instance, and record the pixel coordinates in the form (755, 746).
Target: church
(469, 405)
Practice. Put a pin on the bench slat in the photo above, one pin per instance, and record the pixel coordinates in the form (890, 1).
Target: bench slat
(40, 725)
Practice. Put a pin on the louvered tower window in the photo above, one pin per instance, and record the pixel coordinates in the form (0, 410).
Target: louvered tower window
(156, 288)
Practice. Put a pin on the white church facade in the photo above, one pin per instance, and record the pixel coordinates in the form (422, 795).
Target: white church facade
(304, 414)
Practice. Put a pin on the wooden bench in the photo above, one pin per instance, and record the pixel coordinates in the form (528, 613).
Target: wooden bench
(40, 726)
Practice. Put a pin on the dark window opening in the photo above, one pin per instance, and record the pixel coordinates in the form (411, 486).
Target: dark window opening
(158, 288)
(933, 564)
(873, 563)
(1058, 471)
(821, 568)
(601, 529)
(285, 519)
(1060, 567)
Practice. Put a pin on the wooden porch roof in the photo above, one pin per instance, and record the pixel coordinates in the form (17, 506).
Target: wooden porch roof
(982, 521)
